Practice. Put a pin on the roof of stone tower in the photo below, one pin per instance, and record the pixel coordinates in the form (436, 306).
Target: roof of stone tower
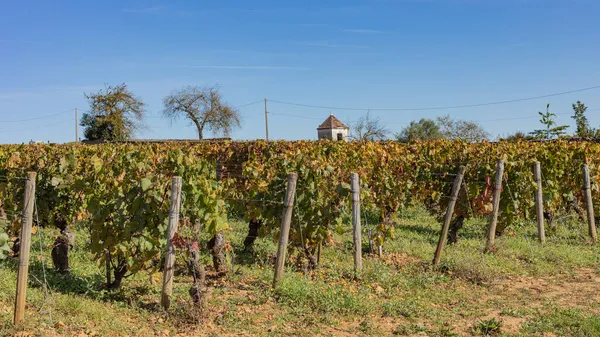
(332, 123)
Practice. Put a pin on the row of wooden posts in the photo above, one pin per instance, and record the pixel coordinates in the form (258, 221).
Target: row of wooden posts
(287, 219)
(539, 207)
(168, 274)
(493, 221)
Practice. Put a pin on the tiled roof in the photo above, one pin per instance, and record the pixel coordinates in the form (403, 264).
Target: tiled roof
(332, 123)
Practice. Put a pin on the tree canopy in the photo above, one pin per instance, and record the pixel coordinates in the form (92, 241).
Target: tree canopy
(583, 128)
(461, 129)
(518, 136)
(115, 114)
(424, 129)
(444, 127)
(203, 107)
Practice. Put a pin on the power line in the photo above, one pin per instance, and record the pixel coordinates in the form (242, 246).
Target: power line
(295, 116)
(38, 127)
(36, 118)
(504, 119)
(515, 118)
(528, 117)
(247, 104)
(439, 107)
(404, 123)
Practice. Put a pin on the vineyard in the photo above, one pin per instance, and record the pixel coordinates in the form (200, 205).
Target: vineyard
(119, 197)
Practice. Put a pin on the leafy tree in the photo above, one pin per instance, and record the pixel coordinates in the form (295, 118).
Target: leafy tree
(424, 129)
(460, 129)
(552, 130)
(369, 129)
(583, 125)
(517, 136)
(115, 113)
(204, 107)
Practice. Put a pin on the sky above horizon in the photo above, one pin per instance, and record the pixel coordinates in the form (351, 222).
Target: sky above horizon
(344, 57)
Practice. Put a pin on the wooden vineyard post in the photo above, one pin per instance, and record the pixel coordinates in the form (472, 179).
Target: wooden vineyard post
(22, 274)
(319, 249)
(107, 264)
(169, 272)
(539, 201)
(448, 217)
(355, 185)
(285, 227)
(491, 235)
(218, 170)
(588, 202)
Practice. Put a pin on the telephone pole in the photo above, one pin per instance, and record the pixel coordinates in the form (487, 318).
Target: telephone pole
(266, 122)
(76, 127)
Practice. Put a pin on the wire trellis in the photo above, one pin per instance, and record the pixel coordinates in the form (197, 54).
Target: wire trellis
(45, 285)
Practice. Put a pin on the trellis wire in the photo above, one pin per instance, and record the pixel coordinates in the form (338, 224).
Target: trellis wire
(562, 217)
(465, 186)
(302, 244)
(255, 200)
(369, 230)
(525, 233)
(45, 285)
(5, 178)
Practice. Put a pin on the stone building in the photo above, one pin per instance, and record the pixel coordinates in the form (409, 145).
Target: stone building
(333, 128)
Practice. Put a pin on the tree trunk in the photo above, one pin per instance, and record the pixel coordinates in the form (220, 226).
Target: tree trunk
(253, 227)
(549, 216)
(312, 260)
(217, 247)
(119, 273)
(62, 245)
(198, 290)
(573, 205)
(60, 252)
(16, 248)
(455, 226)
(107, 263)
(371, 249)
(319, 249)
(199, 126)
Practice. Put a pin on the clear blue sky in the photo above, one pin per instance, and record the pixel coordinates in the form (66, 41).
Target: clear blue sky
(359, 54)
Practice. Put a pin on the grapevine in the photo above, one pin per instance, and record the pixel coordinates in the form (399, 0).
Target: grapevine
(120, 191)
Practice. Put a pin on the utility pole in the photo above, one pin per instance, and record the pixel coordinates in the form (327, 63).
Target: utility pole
(76, 127)
(266, 122)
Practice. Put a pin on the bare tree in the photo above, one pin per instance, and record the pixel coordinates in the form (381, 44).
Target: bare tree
(369, 129)
(204, 107)
(460, 129)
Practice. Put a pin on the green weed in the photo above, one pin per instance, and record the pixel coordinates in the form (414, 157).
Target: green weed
(489, 327)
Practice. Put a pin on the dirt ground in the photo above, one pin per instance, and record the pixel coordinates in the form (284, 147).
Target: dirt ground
(577, 290)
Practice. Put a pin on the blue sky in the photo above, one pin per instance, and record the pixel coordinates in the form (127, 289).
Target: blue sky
(355, 54)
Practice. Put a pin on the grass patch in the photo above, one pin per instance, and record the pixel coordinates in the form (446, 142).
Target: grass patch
(398, 294)
(568, 322)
